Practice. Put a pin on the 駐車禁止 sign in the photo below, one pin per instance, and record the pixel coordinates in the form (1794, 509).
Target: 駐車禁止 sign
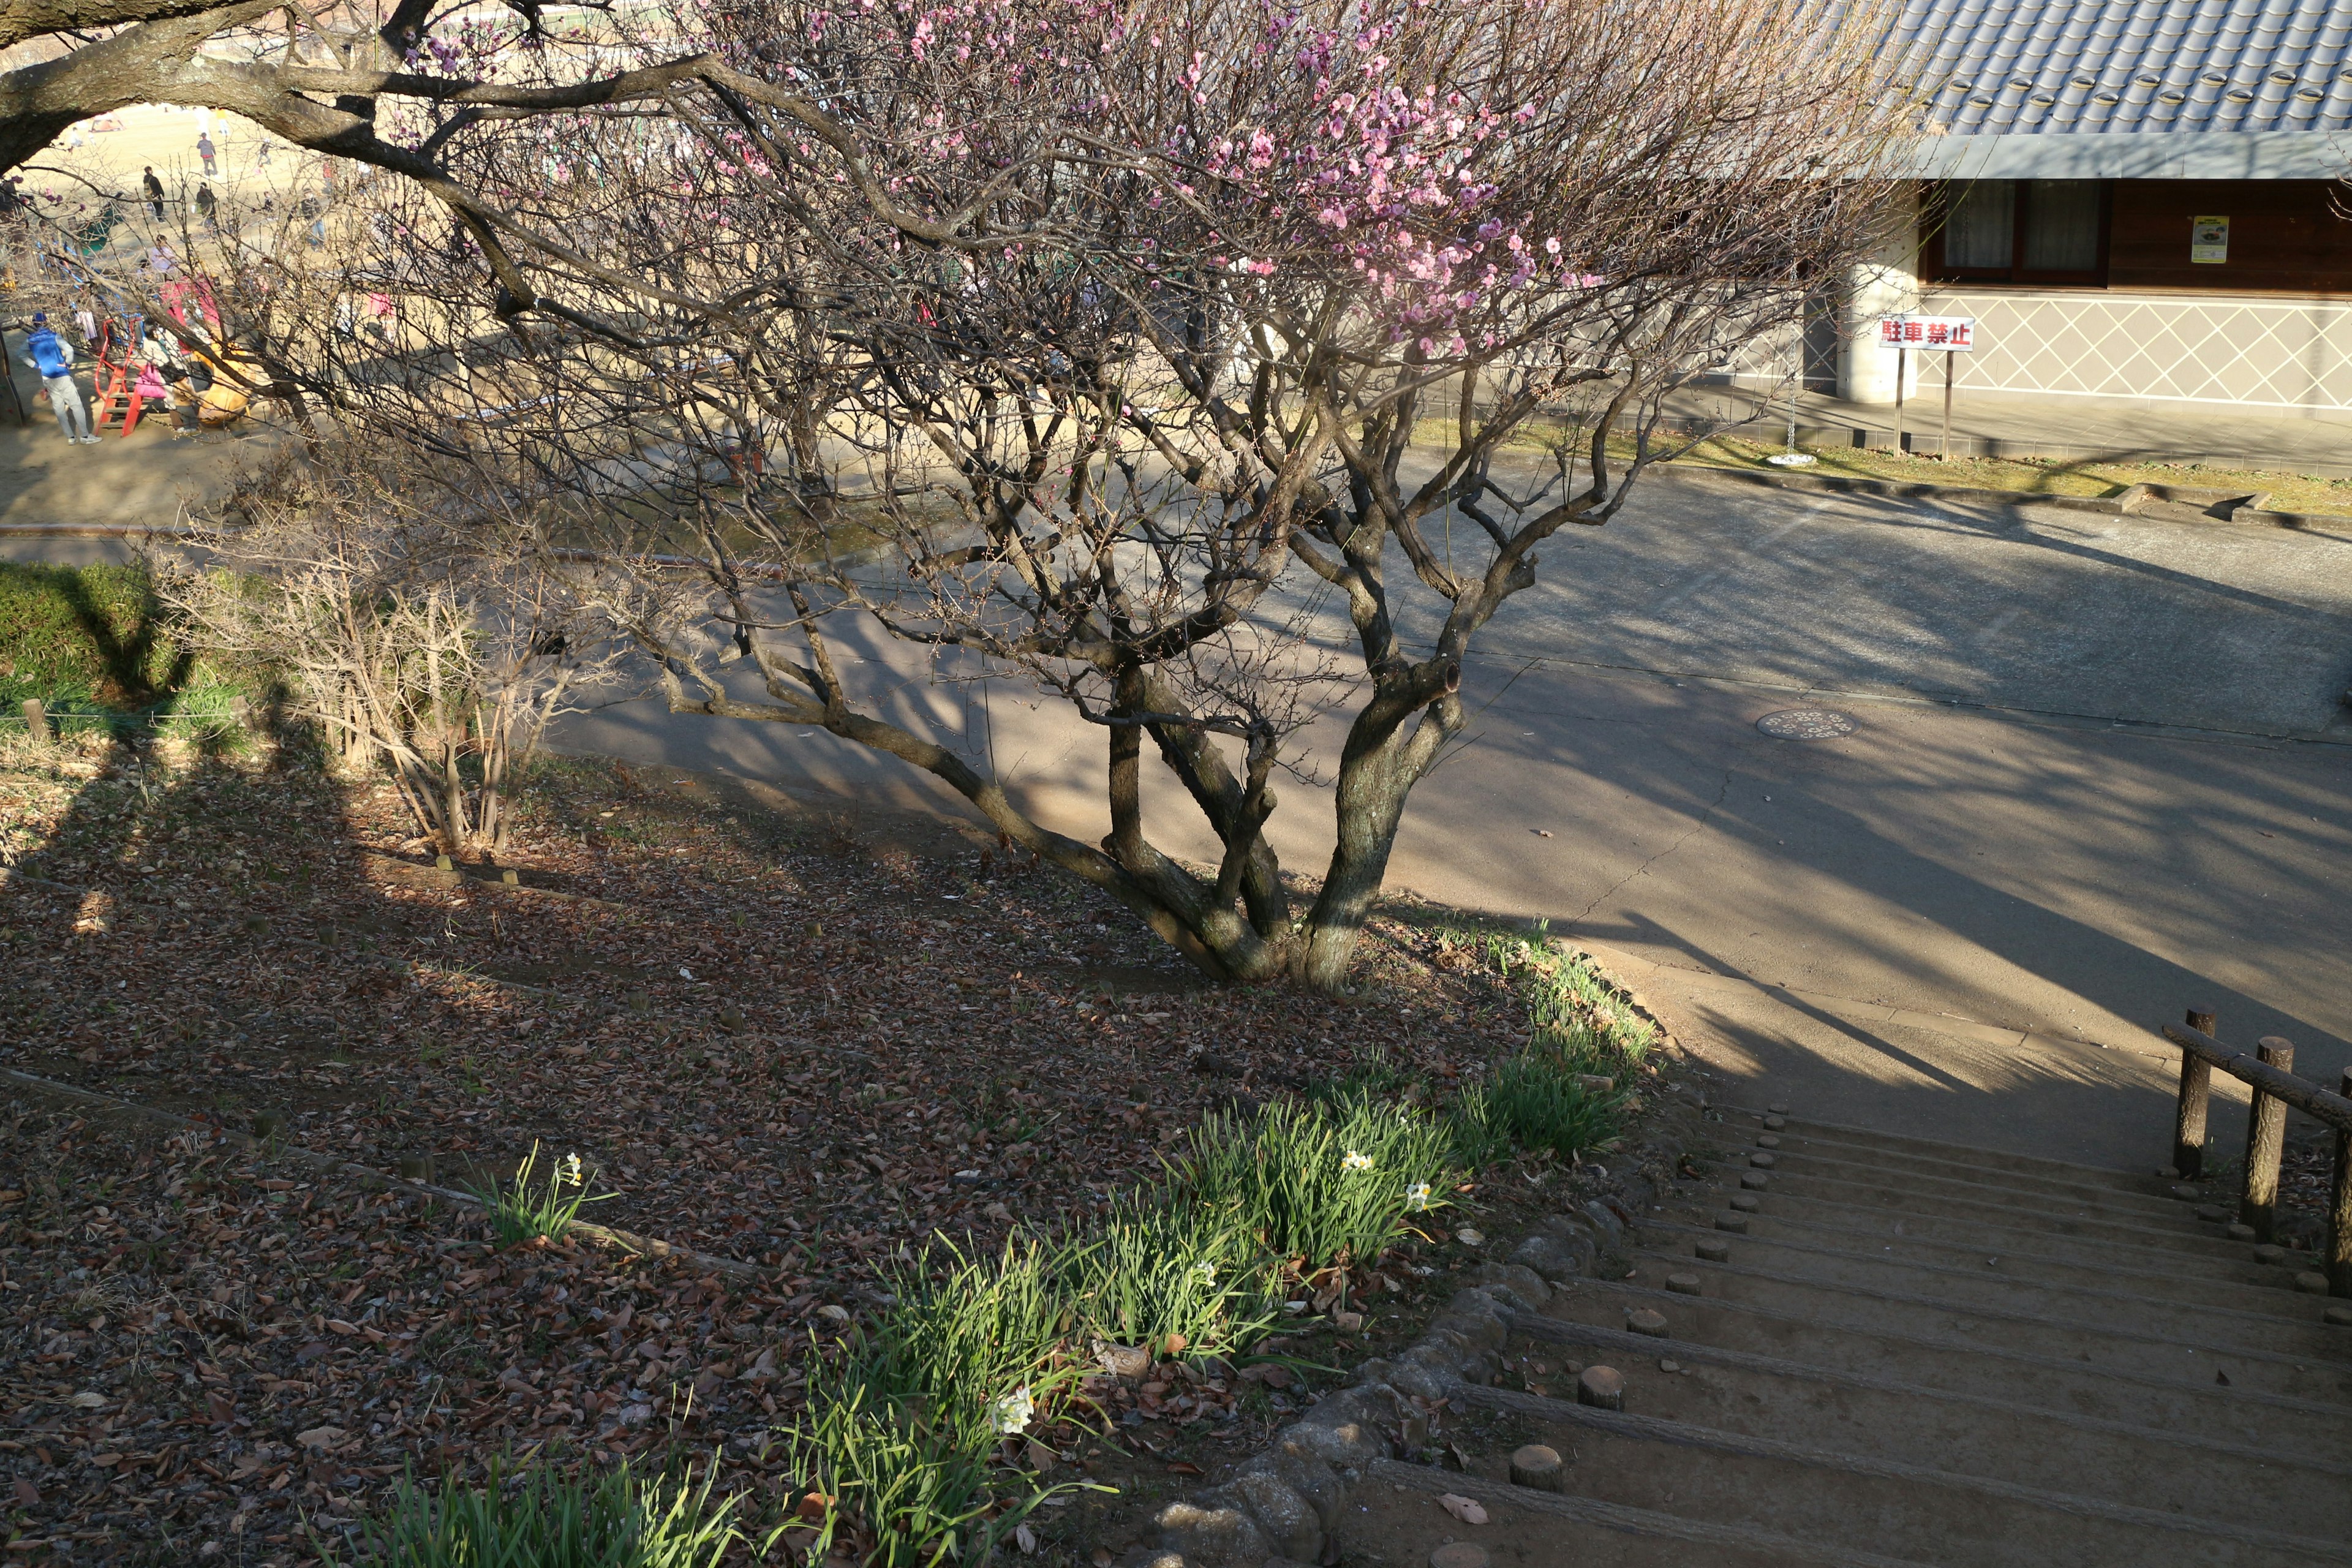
(1947, 334)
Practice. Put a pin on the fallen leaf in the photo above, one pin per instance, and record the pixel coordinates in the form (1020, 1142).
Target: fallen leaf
(1026, 1539)
(320, 1436)
(88, 1400)
(337, 1326)
(1183, 1468)
(1467, 1510)
(28, 1493)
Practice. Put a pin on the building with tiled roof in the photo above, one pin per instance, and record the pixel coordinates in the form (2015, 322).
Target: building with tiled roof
(2131, 198)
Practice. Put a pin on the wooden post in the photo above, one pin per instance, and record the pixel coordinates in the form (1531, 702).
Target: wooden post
(2265, 1140)
(1902, 366)
(1949, 357)
(36, 721)
(2196, 1094)
(2340, 1209)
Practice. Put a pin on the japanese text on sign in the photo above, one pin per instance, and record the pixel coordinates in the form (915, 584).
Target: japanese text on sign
(1948, 334)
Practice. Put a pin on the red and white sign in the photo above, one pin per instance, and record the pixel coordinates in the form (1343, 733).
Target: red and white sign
(1945, 335)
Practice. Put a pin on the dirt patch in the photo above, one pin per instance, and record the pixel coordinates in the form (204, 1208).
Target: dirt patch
(782, 1036)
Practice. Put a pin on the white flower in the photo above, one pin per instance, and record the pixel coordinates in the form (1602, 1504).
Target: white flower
(1416, 1198)
(1355, 1162)
(1205, 1273)
(1013, 1411)
(570, 1169)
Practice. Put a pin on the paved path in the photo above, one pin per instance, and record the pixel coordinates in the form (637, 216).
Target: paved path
(2074, 430)
(142, 479)
(2100, 772)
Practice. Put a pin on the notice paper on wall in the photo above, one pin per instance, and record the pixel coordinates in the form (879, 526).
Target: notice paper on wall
(2209, 240)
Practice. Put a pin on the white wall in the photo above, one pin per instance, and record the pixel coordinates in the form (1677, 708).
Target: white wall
(2224, 351)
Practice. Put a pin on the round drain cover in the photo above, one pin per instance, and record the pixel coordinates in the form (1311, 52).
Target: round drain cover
(1807, 724)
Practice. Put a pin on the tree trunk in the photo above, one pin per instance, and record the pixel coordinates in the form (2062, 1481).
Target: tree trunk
(1385, 757)
(1373, 787)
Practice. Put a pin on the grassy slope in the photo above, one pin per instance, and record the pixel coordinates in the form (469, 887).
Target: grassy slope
(94, 640)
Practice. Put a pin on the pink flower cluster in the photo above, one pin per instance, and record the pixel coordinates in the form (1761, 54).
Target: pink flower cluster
(1397, 182)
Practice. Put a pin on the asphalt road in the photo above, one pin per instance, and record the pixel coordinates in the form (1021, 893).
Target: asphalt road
(2099, 771)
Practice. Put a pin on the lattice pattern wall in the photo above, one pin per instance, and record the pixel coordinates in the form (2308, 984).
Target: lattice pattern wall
(2218, 348)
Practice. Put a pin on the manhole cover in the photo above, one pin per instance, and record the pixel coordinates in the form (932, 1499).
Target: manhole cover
(1807, 724)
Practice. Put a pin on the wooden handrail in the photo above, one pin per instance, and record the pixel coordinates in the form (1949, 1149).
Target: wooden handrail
(2274, 1088)
(2303, 1094)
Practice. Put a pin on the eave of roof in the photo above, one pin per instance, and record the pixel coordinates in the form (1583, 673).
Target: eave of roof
(2135, 155)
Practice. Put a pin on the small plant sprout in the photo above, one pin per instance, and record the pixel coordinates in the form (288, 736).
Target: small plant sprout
(527, 1210)
(1013, 1412)
(1355, 1161)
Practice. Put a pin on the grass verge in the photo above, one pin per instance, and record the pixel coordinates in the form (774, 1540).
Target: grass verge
(97, 647)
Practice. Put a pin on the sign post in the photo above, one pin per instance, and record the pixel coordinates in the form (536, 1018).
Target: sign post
(1947, 334)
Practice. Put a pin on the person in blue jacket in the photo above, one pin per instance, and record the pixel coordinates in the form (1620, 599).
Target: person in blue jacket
(54, 359)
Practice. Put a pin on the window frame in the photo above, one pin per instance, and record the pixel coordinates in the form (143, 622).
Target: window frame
(1936, 202)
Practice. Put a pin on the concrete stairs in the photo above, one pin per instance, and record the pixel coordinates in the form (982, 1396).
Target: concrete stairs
(1839, 1347)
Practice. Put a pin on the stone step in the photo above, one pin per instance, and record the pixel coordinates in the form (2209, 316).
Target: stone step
(1944, 1213)
(2282, 1358)
(2164, 1467)
(1868, 1501)
(1749, 1122)
(2134, 1392)
(2151, 1204)
(2002, 1282)
(2247, 1285)
(1393, 1518)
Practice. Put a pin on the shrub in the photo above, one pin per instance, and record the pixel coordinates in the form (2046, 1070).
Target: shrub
(543, 1520)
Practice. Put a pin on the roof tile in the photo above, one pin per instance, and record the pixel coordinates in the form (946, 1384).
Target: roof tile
(2020, 67)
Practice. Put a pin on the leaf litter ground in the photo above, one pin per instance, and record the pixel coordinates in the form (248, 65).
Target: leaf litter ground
(795, 1040)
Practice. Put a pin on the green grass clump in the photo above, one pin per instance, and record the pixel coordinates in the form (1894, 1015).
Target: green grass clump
(1317, 1184)
(1174, 1277)
(882, 1482)
(1571, 1007)
(1538, 1103)
(542, 1519)
(529, 1208)
(964, 1343)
